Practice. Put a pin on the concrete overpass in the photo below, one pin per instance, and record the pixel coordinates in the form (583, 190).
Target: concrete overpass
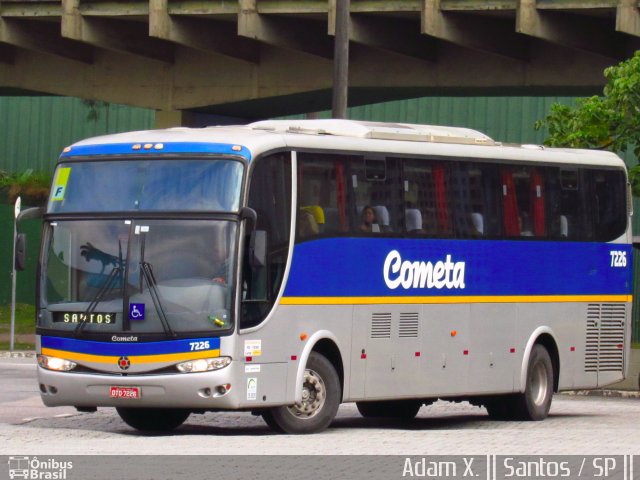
(256, 58)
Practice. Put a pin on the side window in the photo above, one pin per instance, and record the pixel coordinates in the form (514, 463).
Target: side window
(322, 196)
(270, 197)
(523, 202)
(377, 188)
(476, 200)
(569, 217)
(608, 203)
(427, 187)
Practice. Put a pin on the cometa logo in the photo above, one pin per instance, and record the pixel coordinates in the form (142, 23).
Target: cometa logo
(419, 274)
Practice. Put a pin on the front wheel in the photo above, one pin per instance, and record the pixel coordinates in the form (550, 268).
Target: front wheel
(153, 419)
(321, 396)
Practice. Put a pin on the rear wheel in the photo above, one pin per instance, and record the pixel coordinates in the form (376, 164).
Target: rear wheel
(404, 409)
(321, 396)
(534, 403)
(153, 419)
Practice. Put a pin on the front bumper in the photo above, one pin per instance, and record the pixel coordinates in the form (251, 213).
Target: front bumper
(191, 390)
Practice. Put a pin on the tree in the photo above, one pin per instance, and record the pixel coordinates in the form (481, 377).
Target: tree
(610, 121)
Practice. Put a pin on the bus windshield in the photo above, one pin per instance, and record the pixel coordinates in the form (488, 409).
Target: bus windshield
(147, 185)
(143, 276)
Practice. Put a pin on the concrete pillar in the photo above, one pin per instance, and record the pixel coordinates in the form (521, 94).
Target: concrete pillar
(172, 118)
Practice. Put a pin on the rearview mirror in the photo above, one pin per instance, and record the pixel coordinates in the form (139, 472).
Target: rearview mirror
(21, 252)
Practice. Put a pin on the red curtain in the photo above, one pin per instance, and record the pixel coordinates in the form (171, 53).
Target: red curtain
(510, 205)
(442, 206)
(341, 195)
(537, 204)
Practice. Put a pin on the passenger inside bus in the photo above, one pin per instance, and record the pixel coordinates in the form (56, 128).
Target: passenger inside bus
(307, 226)
(369, 221)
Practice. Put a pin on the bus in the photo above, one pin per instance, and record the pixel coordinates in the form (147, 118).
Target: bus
(285, 267)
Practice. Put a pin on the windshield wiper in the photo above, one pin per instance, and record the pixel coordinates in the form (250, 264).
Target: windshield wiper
(147, 273)
(109, 284)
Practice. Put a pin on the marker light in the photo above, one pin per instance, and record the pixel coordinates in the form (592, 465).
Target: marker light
(55, 363)
(203, 364)
(137, 146)
(67, 149)
(148, 146)
(158, 146)
(236, 148)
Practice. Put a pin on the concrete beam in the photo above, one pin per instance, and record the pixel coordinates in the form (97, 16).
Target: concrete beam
(398, 36)
(628, 17)
(587, 34)
(119, 36)
(7, 54)
(486, 34)
(43, 38)
(208, 36)
(292, 34)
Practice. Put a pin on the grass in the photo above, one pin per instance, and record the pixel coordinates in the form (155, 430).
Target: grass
(25, 319)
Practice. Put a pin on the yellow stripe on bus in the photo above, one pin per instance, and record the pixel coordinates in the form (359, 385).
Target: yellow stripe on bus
(135, 359)
(452, 300)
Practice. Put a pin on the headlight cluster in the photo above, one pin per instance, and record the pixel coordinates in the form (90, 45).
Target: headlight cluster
(203, 364)
(55, 363)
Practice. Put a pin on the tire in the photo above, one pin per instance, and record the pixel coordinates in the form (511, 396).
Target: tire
(320, 400)
(402, 409)
(153, 419)
(267, 416)
(535, 402)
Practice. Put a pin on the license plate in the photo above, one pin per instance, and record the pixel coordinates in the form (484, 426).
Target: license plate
(125, 392)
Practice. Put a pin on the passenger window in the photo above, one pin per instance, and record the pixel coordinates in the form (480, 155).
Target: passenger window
(377, 188)
(523, 202)
(322, 196)
(427, 208)
(476, 202)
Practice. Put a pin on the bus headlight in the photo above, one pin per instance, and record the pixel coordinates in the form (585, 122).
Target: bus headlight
(55, 363)
(203, 364)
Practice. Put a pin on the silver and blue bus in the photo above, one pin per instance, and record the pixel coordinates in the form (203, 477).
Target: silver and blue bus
(286, 267)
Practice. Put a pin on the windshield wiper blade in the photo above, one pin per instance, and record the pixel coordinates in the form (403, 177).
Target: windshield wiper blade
(107, 286)
(147, 273)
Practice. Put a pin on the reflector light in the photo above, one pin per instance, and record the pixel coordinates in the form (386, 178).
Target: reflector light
(294, 358)
(466, 352)
(303, 336)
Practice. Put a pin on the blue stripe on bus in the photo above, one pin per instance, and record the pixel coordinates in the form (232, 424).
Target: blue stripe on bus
(354, 267)
(125, 348)
(169, 147)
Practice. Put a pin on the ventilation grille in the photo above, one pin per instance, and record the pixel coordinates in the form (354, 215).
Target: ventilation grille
(605, 337)
(408, 327)
(381, 325)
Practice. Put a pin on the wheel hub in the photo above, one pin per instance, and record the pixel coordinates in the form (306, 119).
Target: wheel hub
(313, 396)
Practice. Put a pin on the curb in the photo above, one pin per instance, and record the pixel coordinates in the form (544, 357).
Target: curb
(603, 393)
(19, 354)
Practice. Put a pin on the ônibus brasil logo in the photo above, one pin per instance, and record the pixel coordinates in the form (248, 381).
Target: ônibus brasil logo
(38, 469)
(419, 274)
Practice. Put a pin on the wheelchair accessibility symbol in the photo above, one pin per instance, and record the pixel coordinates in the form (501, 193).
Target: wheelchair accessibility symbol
(136, 311)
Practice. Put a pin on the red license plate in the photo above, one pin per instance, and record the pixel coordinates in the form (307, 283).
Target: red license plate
(124, 392)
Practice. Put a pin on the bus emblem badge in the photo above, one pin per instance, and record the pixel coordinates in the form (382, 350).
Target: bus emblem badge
(124, 363)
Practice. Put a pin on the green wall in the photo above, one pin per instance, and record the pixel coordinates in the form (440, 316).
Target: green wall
(33, 132)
